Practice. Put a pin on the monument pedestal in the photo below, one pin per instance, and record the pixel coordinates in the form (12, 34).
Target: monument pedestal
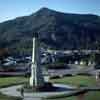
(46, 87)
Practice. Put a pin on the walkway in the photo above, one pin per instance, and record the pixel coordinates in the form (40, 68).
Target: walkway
(12, 91)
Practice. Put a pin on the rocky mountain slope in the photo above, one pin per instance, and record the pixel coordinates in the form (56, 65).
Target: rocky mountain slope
(56, 29)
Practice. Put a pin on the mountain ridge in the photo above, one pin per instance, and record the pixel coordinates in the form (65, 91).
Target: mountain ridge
(57, 29)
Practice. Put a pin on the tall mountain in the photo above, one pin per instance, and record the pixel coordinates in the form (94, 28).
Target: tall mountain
(56, 29)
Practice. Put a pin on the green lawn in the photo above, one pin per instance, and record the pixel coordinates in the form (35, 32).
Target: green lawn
(88, 96)
(76, 80)
(7, 81)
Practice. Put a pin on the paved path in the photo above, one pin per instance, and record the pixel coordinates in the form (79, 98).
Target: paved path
(12, 91)
(30, 98)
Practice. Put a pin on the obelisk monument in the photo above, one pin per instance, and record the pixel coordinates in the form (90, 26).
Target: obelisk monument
(36, 79)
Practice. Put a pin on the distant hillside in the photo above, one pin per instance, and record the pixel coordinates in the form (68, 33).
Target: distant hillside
(57, 30)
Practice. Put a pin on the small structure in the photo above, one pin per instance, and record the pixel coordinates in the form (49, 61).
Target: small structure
(98, 76)
(76, 62)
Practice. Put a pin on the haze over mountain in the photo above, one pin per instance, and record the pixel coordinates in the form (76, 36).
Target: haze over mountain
(56, 29)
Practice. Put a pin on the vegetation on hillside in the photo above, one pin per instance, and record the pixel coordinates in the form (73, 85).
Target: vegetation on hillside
(58, 30)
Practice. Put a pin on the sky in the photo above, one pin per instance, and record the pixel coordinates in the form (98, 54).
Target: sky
(10, 9)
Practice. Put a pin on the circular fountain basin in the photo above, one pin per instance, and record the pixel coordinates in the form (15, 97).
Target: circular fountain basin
(60, 90)
(57, 90)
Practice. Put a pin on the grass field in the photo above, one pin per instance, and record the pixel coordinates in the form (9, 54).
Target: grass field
(88, 96)
(79, 81)
(74, 80)
(8, 81)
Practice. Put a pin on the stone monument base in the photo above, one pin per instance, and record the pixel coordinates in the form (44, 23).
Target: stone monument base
(47, 87)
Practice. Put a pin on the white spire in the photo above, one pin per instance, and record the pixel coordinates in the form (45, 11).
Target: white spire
(36, 78)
